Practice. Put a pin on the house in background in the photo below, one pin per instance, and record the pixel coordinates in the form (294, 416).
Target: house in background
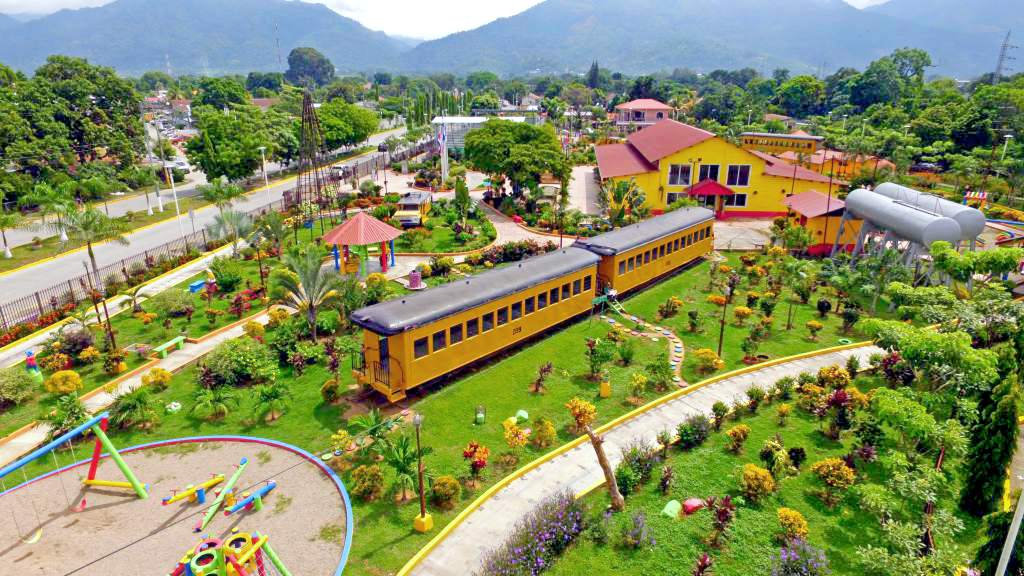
(671, 160)
(840, 164)
(641, 113)
(820, 214)
(799, 142)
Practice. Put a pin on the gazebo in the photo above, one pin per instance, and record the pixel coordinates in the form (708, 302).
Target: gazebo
(359, 231)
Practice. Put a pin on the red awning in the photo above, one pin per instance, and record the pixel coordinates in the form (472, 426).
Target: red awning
(709, 188)
(360, 230)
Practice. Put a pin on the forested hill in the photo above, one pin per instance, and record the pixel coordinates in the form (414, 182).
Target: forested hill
(648, 35)
(197, 36)
(985, 16)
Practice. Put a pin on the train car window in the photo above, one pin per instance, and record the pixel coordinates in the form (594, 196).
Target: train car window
(622, 267)
(517, 310)
(472, 327)
(529, 305)
(630, 264)
(439, 341)
(675, 245)
(577, 286)
(542, 300)
(708, 230)
(455, 334)
(647, 257)
(565, 291)
(587, 283)
(488, 321)
(554, 296)
(502, 316)
(419, 348)
(661, 251)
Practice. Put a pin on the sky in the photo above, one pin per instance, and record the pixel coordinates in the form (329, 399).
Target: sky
(414, 18)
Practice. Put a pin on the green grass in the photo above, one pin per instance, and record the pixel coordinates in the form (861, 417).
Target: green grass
(441, 239)
(711, 470)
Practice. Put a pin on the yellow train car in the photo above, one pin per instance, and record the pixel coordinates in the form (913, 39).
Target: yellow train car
(635, 255)
(418, 338)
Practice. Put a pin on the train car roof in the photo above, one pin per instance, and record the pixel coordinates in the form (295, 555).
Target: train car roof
(420, 308)
(629, 237)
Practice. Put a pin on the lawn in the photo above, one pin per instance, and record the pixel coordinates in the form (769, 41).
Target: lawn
(711, 470)
(440, 239)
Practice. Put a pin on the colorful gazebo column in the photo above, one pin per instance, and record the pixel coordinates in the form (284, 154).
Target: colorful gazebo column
(362, 230)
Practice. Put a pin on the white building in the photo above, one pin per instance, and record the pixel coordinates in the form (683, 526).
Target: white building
(458, 126)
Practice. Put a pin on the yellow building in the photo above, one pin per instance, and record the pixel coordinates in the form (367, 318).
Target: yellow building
(838, 164)
(798, 142)
(669, 160)
(820, 215)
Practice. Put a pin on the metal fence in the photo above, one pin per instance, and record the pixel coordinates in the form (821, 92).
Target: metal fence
(46, 305)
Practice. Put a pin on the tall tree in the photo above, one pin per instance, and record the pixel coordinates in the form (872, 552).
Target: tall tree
(345, 124)
(993, 442)
(221, 93)
(594, 76)
(8, 221)
(308, 67)
(221, 193)
(89, 226)
(309, 286)
(228, 144)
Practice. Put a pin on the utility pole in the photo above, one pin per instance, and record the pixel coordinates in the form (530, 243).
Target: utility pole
(1004, 56)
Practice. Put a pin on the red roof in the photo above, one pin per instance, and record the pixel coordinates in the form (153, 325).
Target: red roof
(774, 166)
(665, 138)
(813, 204)
(615, 160)
(643, 104)
(360, 230)
(709, 188)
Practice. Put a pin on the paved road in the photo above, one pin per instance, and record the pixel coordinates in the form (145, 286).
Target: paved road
(577, 470)
(24, 282)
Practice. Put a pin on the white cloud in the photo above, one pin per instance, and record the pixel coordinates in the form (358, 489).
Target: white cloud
(416, 18)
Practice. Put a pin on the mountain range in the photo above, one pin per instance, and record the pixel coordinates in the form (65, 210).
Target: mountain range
(238, 36)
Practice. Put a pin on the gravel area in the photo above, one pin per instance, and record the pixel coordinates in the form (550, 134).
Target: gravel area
(119, 534)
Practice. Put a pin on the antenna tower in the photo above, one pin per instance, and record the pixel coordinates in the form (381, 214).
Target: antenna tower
(312, 185)
(1004, 57)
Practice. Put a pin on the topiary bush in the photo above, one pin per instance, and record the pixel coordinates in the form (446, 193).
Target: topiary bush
(756, 482)
(241, 361)
(64, 382)
(367, 482)
(792, 523)
(737, 437)
(445, 492)
(693, 431)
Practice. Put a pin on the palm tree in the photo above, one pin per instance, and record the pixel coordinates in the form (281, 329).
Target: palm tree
(89, 226)
(375, 426)
(8, 220)
(310, 287)
(400, 455)
(133, 295)
(881, 269)
(220, 193)
(232, 225)
(272, 228)
(137, 407)
(49, 200)
(216, 402)
(270, 400)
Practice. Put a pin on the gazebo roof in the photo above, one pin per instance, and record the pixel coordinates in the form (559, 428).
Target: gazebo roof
(360, 230)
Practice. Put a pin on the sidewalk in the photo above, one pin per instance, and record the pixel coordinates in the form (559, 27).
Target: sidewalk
(577, 470)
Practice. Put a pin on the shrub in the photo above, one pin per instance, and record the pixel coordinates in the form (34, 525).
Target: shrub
(16, 386)
(693, 431)
(173, 303)
(626, 478)
(64, 382)
(756, 482)
(782, 412)
(755, 395)
(241, 361)
(836, 477)
(158, 379)
(254, 330)
(538, 538)
(813, 326)
(853, 365)
(89, 355)
(228, 273)
(640, 456)
(627, 351)
(276, 316)
(543, 432)
(112, 362)
(784, 387)
(284, 340)
(637, 385)
(720, 410)
(792, 523)
(737, 437)
(659, 371)
(637, 534)
(367, 482)
(707, 360)
(667, 478)
(73, 342)
(741, 313)
(797, 456)
(445, 492)
(328, 322)
(330, 391)
(824, 307)
(583, 412)
(798, 558)
(833, 377)
(56, 361)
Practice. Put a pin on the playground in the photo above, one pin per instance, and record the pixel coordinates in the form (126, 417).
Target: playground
(60, 523)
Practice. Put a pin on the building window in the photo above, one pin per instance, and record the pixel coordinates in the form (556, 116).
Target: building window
(455, 334)
(472, 327)
(488, 321)
(739, 200)
(739, 175)
(708, 172)
(419, 348)
(587, 283)
(622, 267)
(439, 341)
(554, 296)
(502, 316)
(517, 310)
(679, 175)
(671, 197)
(542, 300)
(529, 305)
(565, 291)
(577, 286)
(630, 264)
(659, 115)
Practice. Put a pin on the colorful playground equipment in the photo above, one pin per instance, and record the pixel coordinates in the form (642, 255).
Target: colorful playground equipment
(98, 426)
(225, 493)
(241, 554)
(32, 367)
(251, 501)
(194, 493)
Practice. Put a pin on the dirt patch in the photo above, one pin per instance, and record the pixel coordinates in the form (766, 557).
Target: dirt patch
(117, 533)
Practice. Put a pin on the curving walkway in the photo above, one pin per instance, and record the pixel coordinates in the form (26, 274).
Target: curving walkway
(576, 469)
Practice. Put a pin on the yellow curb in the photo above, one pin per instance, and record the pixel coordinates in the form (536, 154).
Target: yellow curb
(117, 381)
(18, 432)
(501, 484)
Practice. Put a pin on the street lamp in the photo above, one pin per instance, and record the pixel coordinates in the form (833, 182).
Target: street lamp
(383, 147)
(721, 324)
(424, 522)
(266, 184)
(174, 194)
(845, 116)
(1006, 143)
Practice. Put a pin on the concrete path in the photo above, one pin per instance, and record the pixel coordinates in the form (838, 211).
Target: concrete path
(577, 470)
(742, 234)
(584, 189)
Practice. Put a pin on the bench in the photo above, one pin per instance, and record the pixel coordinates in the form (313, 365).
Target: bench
(196, 286)
(177, 343)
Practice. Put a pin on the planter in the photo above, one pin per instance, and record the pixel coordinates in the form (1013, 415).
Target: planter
(606, 389)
